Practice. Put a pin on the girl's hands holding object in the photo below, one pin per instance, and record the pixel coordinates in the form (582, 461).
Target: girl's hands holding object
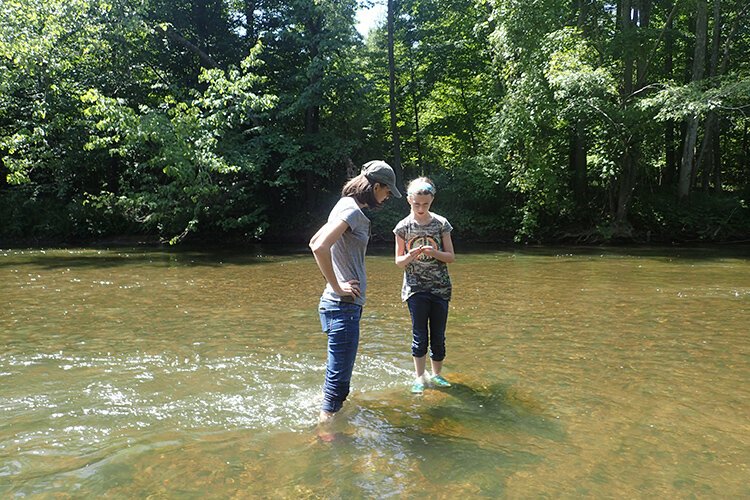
(415, 252)
(428, 250)
(424, 249)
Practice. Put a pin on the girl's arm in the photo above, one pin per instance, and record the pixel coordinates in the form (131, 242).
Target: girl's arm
(404, 258)
(321, 244)
(447, 255)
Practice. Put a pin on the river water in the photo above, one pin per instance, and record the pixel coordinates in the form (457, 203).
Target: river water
(577, 372)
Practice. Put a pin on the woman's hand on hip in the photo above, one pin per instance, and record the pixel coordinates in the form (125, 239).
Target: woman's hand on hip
(349, 288)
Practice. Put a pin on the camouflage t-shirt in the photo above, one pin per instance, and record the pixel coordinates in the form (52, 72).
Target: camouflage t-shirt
(425, 274)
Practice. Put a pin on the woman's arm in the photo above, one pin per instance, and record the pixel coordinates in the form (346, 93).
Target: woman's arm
(321, 244)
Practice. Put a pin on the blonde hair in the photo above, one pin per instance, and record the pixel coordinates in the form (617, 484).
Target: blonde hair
(421, 185)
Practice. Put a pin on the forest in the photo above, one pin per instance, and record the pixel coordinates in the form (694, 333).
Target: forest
(237, 121)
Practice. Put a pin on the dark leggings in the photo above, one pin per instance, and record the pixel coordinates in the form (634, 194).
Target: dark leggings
(429, 316)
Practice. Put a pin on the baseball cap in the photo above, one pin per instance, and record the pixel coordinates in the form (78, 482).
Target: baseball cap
(380, 171)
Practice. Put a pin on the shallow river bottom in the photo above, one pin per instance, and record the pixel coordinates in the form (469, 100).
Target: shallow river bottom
(577, 373)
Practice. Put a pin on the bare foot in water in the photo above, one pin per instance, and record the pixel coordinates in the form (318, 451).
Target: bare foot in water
(325, 423)
(325, 417)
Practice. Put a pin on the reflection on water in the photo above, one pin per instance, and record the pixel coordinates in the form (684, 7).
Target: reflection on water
(576, 372)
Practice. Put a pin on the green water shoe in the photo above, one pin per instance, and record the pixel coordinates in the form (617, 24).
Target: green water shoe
(439, 381)
(417, 387)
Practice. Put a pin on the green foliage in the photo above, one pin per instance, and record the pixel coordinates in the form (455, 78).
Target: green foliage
(728, 94)
(32, 213)
(184, 160)
(708, 218)
(539, 120)
(549, 86)
(475, 196)
(582, 88)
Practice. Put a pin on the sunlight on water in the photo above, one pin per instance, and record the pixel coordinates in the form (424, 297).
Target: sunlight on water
(576, 372)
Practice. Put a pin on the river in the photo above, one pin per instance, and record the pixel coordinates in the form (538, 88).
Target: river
(594, 372)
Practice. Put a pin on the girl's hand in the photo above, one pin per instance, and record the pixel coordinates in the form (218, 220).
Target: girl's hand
(428, 250)
(415, 252)
(349, 288)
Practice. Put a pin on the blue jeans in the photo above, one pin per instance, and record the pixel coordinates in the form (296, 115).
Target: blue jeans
(340, 320)
(429, 316)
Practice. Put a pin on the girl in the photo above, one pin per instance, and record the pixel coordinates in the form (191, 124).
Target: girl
(339, 248)
(423, 249)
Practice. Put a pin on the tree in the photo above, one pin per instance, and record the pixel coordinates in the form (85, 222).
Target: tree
(541, 120)
(396, 144)
(687, 163)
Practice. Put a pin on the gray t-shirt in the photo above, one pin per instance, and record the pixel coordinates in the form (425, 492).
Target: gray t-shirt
(348, 253)
(425, 274)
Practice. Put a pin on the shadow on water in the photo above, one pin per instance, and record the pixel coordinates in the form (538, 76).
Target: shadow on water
(126, 257)
(466, 440)
(93, 258)
(496, 405)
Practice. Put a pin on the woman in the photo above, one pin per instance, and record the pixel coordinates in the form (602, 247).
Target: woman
(339, 248)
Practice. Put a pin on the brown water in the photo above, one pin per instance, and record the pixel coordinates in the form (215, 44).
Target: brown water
(597, 373)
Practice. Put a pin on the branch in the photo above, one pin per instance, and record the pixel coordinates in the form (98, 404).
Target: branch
(728, 41)
(596, 108)
(124, 41)
(644, 89)
(173, 35)
(639, 83)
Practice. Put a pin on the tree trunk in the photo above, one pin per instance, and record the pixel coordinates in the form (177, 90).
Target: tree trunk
(582, 13)
(578, 152)
(415, 102)
(626, 179)
(392, 95)
(670, 167)
(313, 25)
(469, 118)
(3, 176)
(625, 191)
(200, 23)
(709, 129)
(644, 18)
(722, 70)
(250, 31)
(578, 163)
(717, 158)
(745, 149)
(727, 43)
(688, 159)
(699, 60)
(626, 24)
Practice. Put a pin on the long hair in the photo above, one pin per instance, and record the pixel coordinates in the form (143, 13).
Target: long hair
(361, 189)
